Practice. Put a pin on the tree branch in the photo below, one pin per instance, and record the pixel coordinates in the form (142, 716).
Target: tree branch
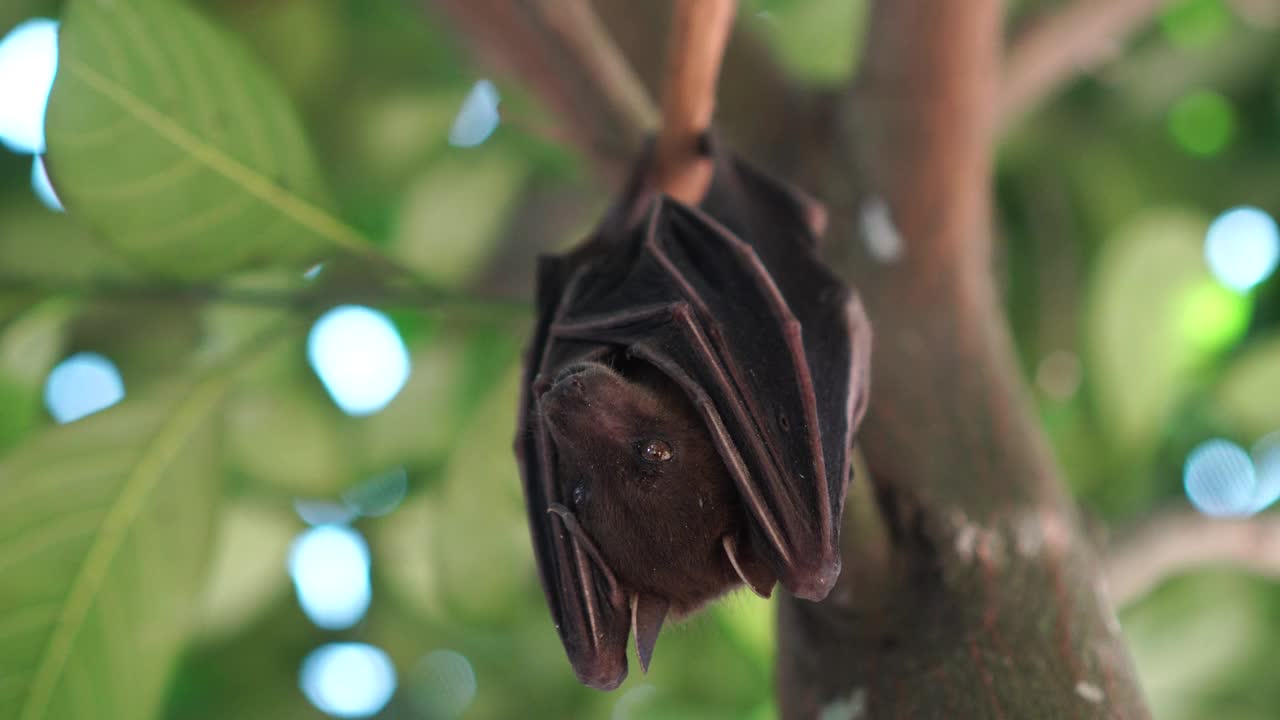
(1176, 542)
(559, 50)
(991, 604)
(699, 33)
(587, 41)
(1056, 48)
(749, 73)
(312, 298)
(516, 41)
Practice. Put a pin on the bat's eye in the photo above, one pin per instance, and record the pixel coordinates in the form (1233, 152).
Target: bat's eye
(655, 451)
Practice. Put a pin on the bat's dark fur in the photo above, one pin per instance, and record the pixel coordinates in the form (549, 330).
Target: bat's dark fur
(693, 386)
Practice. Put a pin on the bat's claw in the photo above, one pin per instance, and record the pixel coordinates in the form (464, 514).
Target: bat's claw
(580, 535)
(759, 585)
(647, 614)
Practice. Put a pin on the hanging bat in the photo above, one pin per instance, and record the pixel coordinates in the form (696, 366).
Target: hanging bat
(691, 394)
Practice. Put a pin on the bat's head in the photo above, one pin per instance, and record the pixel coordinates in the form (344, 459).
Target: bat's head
(639, 471)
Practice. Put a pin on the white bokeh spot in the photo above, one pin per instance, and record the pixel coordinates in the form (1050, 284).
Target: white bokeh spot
(359, 357)
(330, 570)
(28, 64)
(348, 680)
(1242, 247)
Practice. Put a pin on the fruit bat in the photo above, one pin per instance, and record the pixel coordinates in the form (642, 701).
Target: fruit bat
(691, 393)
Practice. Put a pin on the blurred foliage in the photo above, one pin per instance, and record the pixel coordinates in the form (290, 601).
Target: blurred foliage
(143, 549)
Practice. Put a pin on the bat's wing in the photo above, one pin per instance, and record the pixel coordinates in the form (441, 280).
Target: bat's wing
(766, 343)
(590, 614)
(778, 222)
(776, 378)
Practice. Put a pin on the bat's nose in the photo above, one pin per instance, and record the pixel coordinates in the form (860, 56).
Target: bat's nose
(569, 391)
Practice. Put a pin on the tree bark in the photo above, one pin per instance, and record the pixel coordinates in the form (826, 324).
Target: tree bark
(969, 590)
(988, 602)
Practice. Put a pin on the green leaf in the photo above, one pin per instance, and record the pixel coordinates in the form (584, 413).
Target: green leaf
(1222, 615)
(247, 571)
(1247, 396)
(166, 136)
(814, 38)
(453, 216)
(291, 438)
(479, 499)
(104, 532)
(66, 252)
(29, 348)
(421, 424)
(1143, 348)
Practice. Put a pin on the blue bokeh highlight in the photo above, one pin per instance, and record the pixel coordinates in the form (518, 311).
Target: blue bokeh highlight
(82, 385)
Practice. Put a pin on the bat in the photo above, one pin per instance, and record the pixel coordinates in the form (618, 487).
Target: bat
(691, 393)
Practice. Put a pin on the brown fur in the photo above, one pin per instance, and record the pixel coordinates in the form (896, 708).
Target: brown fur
(658, 524)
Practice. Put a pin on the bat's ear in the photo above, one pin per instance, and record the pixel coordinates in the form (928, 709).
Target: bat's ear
(647, 614)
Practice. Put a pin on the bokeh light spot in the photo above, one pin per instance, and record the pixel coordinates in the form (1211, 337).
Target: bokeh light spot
(359, 357)
(42, 187)
(82, 385)
(330, 570)
(478, 117)
(323, 512)
(1242, 247)
(1220, 479)
(1196, 23)
(348, 680)
(1213, 318)
(378, 495)
(1202, 123)
(444, 684)
(28, 63)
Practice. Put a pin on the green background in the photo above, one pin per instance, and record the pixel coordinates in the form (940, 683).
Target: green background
(321, 126)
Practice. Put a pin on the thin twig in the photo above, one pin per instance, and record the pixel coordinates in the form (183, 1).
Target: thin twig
(1176, 542)
(1054, 49)
(563, 55)
(303, 299)
(586, 38)
(699, 34)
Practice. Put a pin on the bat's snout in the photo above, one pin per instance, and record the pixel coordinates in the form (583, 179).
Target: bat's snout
(563, 400)
(571, 393)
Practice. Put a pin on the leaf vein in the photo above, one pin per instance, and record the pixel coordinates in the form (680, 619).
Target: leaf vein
(137, 488)
(299, 210)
